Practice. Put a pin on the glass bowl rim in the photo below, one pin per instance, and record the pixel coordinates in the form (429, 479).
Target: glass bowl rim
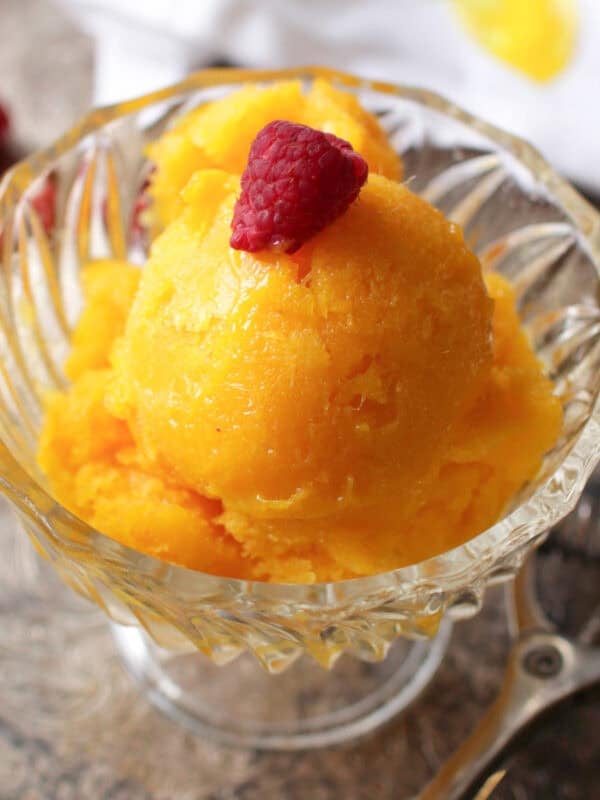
(446, 569)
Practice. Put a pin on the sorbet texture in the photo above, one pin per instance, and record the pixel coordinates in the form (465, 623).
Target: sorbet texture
(362, 404)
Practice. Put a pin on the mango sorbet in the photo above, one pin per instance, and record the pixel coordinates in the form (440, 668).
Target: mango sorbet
(219, 135)
(360, 405)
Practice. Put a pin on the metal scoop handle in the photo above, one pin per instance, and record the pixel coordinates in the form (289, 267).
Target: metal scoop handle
(543, 668)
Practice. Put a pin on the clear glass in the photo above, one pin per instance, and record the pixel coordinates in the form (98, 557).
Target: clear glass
(519, 217)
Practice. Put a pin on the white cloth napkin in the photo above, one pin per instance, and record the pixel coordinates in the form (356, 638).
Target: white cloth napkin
(144, 44)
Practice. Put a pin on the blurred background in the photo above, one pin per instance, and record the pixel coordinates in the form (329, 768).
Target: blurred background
(530, 66)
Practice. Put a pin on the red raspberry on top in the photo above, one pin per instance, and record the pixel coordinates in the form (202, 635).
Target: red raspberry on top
(297, 181)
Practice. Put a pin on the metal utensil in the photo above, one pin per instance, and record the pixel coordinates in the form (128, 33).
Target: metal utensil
(543, 668)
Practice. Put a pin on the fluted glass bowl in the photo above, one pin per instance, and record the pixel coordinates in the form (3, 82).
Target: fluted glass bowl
(519, 217)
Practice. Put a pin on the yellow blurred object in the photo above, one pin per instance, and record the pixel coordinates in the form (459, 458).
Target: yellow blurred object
(535, 36)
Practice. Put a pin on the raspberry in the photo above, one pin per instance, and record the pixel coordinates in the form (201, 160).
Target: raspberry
(4, 122)
(297, 181)
(44, 203)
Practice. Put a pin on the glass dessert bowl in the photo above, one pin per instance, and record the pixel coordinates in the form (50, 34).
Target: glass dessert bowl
(521, 220)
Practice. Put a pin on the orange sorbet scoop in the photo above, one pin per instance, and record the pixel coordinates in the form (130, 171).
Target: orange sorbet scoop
(358, 405)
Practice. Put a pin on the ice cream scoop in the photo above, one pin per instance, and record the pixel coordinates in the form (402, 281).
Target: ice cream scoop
(358, 405)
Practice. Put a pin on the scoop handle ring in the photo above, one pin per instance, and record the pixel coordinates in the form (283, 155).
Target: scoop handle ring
(543, 668)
